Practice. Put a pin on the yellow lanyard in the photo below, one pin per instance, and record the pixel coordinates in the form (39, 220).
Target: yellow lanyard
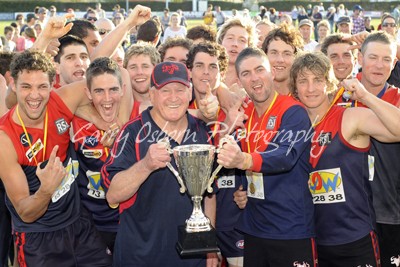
(105, 148)
(27, 136)
(262, 121)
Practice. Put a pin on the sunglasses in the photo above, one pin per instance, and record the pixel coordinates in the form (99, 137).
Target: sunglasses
(117, 18)
(103, 31)
(92, 18)
(389, 25)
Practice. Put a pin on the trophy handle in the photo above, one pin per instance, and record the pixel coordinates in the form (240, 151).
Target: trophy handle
(165, 142)
(222, 141)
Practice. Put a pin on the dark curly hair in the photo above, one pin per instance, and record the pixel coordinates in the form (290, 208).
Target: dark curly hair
(212, 49)
(32, 61)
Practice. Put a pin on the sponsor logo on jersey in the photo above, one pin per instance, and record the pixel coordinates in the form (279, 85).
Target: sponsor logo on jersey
(34, 150)
(325, 181)
(301, 264)
(25, 141)
(92, 153)
(62, 125)
(324, 139)
(91, 141)
(271, 122)
(240, 244)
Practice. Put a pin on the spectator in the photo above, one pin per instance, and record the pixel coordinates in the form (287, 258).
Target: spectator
(368, 26)
(273, 16)
(20, 20)
(208, 16)
(294, 13)
(100, 12)
(175, 29)
(117, 19)
(358, 20)
(92, 16)
(330, 16)
(53, 11)
(263, 29)
(344, 25)
(183, 19)
(104, 26)
(42, 15)
(9, 32)
(306, 28)
(30, 21)
(316, 18)
(219, 16)
(302, 14)
(38, 28)
(323, 29)
(165, 19)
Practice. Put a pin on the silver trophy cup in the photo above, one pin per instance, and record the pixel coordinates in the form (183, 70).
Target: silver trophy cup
(195, 164)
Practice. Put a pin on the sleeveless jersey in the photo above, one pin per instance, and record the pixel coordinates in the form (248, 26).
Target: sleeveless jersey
(339, 184)
(65, 210)
(91, 156)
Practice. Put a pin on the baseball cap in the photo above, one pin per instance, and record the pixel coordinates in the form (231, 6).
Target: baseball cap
(357, 7)
(42, 10)
(344, 19)
(30, 16)
(169, 72)
(306, 22)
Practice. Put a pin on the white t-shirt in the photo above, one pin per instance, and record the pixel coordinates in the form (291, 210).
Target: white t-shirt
(170, 33)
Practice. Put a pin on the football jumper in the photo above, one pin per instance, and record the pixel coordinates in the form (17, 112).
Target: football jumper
(339, 184)
(279, 202)
(91, 156)
(148, 230)
(66, 209)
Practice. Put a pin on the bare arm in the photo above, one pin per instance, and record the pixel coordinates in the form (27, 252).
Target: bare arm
(126, 183)
(381, 121)
(113, 40)
(29, 207)
(55, 28)
(3, 93)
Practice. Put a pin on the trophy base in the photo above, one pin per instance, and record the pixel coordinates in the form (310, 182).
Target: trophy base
(198, 243)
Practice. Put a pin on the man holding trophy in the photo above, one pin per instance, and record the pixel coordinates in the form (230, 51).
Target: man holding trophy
(135, 176)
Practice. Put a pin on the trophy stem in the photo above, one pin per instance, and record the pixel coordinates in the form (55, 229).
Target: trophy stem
(197, 222)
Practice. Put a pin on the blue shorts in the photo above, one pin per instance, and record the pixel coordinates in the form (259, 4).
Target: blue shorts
(231, 243)
(78, 244)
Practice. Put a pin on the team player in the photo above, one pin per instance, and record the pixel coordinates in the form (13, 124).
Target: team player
(281, 46)
(235, 35)
(105, 90)
(277, 221)
(37, 168)
(136, 175)
(378, 58)
(207, 63)
(344, 216)
(44, 200)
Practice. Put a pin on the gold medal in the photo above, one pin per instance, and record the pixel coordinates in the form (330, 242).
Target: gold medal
(252, 188)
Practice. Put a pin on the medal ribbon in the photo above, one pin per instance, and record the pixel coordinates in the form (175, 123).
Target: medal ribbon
(27, 136)
(262, 121)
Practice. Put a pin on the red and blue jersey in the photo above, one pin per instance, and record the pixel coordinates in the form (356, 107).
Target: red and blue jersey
(91, 156)
(64, 210)
(148, 230)
(279, 202)
(339, 184)
(387, 172)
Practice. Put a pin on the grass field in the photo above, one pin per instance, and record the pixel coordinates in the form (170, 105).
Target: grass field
(191, 23)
